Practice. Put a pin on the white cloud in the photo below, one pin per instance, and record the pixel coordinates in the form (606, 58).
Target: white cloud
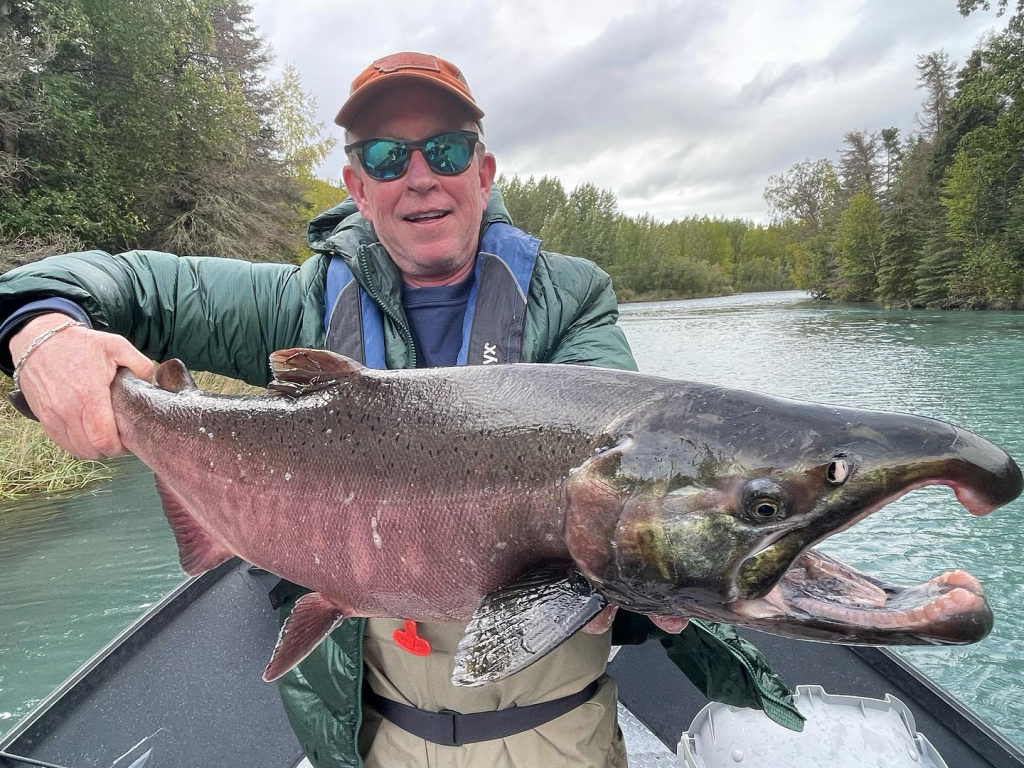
(680, 108)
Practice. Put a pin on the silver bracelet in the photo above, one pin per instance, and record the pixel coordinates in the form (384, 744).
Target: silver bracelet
(37, 342)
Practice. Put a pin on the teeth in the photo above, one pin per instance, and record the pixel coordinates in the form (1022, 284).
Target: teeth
(431, 215)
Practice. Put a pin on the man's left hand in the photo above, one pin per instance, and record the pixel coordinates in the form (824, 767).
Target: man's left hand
(603, 622)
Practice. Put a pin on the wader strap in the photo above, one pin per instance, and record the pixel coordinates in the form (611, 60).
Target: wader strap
(453, 729)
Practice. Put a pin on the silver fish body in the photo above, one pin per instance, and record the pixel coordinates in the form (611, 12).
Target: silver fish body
(528, 496)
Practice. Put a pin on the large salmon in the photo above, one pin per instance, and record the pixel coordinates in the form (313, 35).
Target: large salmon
(524, 498)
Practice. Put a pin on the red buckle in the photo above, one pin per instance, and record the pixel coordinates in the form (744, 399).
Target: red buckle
(408, 640)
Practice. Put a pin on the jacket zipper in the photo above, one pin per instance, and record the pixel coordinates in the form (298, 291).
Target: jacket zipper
(371, 287)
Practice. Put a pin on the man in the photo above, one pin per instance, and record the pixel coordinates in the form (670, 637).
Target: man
(420, 267)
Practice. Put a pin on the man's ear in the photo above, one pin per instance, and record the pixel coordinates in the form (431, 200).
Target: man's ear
(356, 186)
(488, 168)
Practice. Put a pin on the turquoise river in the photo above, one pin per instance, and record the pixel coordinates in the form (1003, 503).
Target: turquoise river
(78, 569)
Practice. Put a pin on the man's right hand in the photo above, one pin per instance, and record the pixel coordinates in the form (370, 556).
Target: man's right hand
(66, 382)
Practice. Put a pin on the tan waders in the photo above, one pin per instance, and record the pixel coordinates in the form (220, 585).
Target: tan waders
(588, 735)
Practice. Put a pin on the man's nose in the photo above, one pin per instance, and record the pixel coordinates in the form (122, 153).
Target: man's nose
(419, 176)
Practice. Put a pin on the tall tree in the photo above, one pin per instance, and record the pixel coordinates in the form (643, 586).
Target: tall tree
(531, 203)
(893, 150)
(859, 164)
(586, 226)
(935, 72)
(858, 245)
(171, 145)
(226, 193)
(807, 193)
(940, 258)
(974, 105)
(298, 133)
(904, 226)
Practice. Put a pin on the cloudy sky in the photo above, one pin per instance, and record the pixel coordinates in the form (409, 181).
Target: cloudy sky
(680, 108)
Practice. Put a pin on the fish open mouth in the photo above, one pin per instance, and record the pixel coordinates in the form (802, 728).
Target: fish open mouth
(820, 597)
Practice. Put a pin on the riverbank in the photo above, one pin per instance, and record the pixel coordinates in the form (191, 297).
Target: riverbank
(30, 463)
(626, 296)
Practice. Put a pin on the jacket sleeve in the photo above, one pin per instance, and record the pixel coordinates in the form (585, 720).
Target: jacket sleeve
(722, 665)
(592, 336)
(219, 315)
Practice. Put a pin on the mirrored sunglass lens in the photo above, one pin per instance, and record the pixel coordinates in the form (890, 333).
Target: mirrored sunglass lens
(448, 153)
(385, 159)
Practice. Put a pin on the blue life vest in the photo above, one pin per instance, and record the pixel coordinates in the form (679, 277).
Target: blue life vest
(492, 329)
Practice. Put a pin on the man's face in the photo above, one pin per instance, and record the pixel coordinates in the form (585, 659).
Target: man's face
(428, 251)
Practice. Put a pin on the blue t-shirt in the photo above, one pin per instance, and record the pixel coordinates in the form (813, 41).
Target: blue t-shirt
(435, 318)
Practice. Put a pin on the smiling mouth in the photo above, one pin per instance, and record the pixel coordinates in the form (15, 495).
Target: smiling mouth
(427, 217)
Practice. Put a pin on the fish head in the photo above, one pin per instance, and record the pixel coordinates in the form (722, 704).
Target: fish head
(711, 505)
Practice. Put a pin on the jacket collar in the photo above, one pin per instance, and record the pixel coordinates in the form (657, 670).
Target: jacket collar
(343, 231)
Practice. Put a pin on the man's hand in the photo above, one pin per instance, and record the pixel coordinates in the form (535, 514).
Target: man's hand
(66, 382)
(603, 622)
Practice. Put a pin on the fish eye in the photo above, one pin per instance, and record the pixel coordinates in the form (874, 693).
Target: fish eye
(763, 500)
(838, 471)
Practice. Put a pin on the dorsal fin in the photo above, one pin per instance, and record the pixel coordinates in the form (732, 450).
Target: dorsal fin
(174, 377)
(299, 371)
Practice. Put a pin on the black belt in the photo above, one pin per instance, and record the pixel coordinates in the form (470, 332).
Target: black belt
(453, 729)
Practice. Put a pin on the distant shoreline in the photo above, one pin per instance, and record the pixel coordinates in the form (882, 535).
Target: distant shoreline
(660, 296)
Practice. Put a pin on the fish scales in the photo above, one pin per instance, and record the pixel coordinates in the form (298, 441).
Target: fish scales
(384, 493)
(524, 498)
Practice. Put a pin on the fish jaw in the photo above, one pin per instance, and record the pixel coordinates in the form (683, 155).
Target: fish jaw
(682, 492)
(821, 598)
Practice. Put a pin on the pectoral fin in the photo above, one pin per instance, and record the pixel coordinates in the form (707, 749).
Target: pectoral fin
(197, 550)
(312, 619)
(522, 622)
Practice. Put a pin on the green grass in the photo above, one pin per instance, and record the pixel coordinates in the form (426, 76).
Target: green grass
(31, 463)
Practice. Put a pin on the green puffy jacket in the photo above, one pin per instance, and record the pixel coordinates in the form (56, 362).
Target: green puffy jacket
(227, 316)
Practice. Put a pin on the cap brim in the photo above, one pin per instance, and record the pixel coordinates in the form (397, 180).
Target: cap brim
(359, 99)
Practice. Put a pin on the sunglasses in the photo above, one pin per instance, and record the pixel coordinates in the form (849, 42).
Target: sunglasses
(448, 154)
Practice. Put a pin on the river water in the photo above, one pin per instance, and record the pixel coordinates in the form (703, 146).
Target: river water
(76, 570)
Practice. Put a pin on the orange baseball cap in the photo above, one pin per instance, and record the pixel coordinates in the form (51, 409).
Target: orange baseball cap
(402, 69)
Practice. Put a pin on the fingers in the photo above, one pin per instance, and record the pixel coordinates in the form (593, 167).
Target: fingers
(671, 624)
(127, 356)
(66, 381)
(99, 427)
(602, 621)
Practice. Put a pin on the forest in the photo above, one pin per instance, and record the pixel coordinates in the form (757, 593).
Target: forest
(934, 219)
(156, 126)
